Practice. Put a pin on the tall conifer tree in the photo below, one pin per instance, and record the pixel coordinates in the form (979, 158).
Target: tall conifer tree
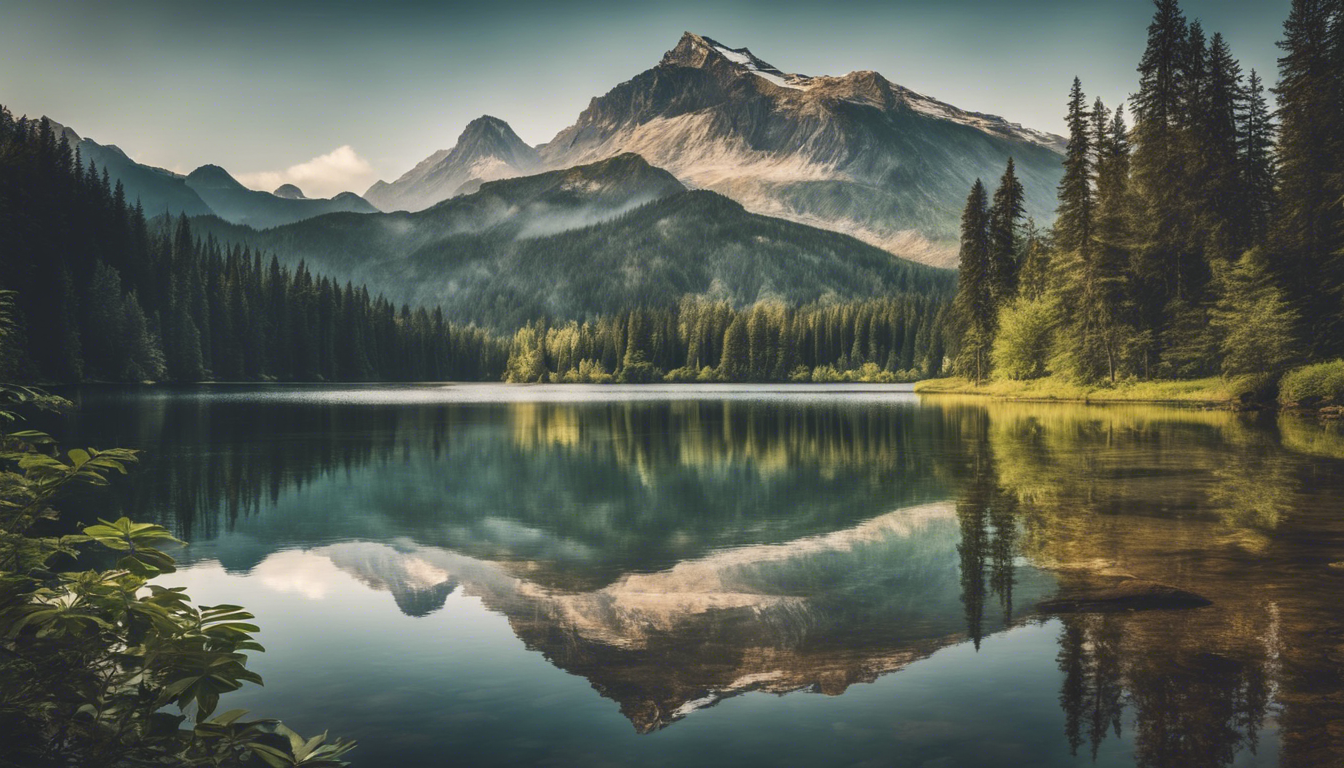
(1310, 219)
(975, 293)
(1005, 217)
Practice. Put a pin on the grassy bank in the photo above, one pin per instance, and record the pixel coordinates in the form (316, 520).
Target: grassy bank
(1211, 391)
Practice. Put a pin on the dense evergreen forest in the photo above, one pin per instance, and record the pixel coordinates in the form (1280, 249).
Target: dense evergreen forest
(106, 294)
(103, 294)
(1208, 238)
(881, 340)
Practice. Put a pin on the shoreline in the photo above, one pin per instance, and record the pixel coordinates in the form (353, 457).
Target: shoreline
(1238, 393)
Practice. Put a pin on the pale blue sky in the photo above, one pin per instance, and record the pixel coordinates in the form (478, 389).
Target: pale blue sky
(261, 86)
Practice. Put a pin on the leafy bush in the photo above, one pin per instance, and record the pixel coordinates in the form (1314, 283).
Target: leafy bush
(91, 660)
(1319, 384)
(824, 374)
(1022, 347)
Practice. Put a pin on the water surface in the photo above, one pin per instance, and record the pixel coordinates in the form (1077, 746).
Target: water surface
(733, 575)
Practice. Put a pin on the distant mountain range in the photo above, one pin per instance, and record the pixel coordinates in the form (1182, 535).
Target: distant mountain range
(582, 242)
(208, 190)
(712, 174)
(856, 154)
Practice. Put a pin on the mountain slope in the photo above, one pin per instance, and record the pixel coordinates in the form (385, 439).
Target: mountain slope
(208, 190)
(159, 191)
(234, 202)
(856, 154)
(487, 150)
(584, 242)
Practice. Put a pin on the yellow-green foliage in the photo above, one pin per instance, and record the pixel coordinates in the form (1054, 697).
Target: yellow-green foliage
(1319, 384)
(1022, 346)
(1311, 436)
(1210, 390)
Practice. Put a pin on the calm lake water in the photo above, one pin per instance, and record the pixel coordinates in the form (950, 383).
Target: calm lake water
(732, 575)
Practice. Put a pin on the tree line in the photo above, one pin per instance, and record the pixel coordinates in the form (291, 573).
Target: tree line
(1207, 238)
(103, 293)
(106, 293)
(899, 338)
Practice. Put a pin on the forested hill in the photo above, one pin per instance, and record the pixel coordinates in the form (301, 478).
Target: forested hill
(586, 242)
(101, 294)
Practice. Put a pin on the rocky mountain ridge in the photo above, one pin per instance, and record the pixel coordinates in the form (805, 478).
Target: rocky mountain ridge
(856, 154)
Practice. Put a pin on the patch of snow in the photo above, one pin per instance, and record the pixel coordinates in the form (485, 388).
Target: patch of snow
(743, 58)
(932, 107)
(694, 704)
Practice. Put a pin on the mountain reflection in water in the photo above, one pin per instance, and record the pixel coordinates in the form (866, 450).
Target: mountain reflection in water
(676, 552)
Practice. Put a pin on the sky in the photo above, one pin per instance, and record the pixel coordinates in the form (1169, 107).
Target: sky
(334, 94)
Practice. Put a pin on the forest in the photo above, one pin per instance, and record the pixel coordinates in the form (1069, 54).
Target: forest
(106, 294)
(1205, 239)
(879, 340)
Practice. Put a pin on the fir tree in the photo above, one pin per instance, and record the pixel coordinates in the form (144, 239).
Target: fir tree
(1255, 159)
(1005, 216)
(975, 292)
(1254, 319)
(1073, 228)
(1310, 220)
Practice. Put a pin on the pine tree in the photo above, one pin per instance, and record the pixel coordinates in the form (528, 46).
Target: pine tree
(1159, 162)
(1254, 319)
(975, 293)
(1255, 159)
(1005, 216)
(1221, 195)
(1073, 228)
(1086, 277)
(1310, 219)
(736, 362)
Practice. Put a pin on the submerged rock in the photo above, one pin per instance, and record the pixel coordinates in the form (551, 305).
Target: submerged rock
(1127, 595)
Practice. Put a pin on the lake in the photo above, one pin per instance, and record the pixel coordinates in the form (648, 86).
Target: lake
(738, 575)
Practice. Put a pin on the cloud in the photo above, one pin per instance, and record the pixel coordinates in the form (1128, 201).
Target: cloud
(340, 170)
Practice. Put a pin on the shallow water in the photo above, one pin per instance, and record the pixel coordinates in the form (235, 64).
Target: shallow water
(736, 575)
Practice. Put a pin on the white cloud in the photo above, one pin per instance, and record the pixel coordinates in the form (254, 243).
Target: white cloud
(340, 170)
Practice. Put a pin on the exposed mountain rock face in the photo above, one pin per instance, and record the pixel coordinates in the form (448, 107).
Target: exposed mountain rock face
(667, 643)
(583, 242)
(488, 150)
(289, 192)
(856, 154)
(159, 191)
(233, 202)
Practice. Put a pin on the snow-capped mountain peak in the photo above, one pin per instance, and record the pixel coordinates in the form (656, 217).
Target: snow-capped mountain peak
(697, 50)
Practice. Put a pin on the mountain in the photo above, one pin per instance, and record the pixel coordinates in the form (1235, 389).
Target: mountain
(159, 191)
(856, 154)
(487, 150)
(289, 192)
(208, 190)
(233, 202)
(582, 242)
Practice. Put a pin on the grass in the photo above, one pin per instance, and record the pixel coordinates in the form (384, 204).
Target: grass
(1211, 391)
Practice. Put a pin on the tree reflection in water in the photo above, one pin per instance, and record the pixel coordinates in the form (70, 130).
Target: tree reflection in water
(669, 551)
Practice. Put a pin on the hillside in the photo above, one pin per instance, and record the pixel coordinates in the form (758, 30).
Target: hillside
(585, 242)
(856, 154)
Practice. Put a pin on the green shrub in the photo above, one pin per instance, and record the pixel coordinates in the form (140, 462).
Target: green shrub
(91, 661)
(681, 375)
(1319, 384)
(825, 374)
(1022, 347)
